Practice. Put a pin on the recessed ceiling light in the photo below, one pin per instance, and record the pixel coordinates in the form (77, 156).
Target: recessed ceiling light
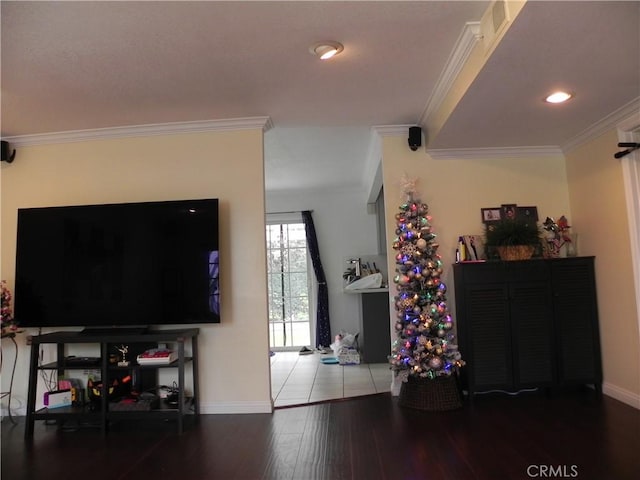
(558, 97)
(326, 50)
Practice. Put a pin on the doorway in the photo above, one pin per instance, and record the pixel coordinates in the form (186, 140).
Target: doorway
(288, 286)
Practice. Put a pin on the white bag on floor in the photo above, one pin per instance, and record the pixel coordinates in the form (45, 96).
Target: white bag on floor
(345, 349)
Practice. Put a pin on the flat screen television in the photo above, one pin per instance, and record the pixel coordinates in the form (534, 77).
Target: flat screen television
(118, 265)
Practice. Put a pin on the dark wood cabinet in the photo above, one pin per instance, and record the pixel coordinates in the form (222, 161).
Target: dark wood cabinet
(102, 413)
(528, 324)
(375, 332)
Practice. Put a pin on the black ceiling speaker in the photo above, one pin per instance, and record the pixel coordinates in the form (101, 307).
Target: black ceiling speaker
(6, 156)
(415, 138)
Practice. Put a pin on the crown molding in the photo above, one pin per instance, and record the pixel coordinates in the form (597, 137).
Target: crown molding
(493, 152)
(467, 40)
(469, 153)
(392, 130)
(610, 122)
(249, 123)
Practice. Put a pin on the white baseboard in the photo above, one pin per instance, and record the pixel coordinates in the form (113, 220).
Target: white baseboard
(395, 386)
(205, 408)
(235, 407)
(613, 391)
(625, 396)
(16, 412)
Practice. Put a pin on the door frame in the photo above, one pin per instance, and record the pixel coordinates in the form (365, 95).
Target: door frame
(629, 131)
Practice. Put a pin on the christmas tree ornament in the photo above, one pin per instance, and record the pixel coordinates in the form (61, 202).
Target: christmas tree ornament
(435, 363)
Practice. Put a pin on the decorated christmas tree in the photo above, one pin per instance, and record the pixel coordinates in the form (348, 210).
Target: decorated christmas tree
(425, 346)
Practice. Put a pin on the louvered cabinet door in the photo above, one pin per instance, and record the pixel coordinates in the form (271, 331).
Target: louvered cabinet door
(576, 317)
(489, 350)
(532, 330)
(482, 319)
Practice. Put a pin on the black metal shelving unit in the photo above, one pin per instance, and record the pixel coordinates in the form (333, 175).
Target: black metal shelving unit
(103, 415)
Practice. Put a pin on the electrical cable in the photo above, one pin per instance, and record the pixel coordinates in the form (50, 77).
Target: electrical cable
(507, 392)
(13, 372)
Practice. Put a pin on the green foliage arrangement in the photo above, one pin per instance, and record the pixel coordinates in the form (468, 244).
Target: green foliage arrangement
(512, 232)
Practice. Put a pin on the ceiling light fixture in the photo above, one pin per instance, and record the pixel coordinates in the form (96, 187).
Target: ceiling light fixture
(558, 97)
(326, 50)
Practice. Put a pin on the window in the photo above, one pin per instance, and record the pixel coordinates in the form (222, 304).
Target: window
(288, 283)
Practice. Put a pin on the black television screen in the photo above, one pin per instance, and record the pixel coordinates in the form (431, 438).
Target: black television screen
(115, 265)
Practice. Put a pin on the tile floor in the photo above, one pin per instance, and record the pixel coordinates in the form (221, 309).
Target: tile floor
(299, 379)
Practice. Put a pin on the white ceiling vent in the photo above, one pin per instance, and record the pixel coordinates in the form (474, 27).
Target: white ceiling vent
(493, 23)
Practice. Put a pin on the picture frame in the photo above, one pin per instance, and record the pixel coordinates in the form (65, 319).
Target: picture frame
(528, 214)
(509, 211)
(474, 247)
(491, 215)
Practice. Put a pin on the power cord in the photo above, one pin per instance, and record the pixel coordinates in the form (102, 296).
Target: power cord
(13, 372)
(50, 379)
(507, 392)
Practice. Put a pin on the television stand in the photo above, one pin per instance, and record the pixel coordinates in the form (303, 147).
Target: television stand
(114, 331)
(101, 411)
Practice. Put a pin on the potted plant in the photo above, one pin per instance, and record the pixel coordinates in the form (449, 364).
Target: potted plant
(8, 323)
(513, 238)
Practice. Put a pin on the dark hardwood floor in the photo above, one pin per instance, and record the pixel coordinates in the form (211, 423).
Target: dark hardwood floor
(568, 435)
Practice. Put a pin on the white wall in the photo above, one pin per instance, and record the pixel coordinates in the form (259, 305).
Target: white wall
(596, 186)
(587, 186)
(455, 191)
(344, 229)
(228, 165)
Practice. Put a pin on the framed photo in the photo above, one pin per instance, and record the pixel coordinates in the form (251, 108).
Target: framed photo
(509, 211)
(475, 248)
(528, 214)
(490, 215)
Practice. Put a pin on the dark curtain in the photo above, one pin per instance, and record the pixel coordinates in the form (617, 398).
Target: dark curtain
(323, 328)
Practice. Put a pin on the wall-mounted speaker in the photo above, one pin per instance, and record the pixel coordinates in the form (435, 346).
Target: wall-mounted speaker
(5, 154)
(415, 138)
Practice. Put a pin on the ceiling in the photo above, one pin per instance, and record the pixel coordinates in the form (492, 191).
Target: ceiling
(70, 66)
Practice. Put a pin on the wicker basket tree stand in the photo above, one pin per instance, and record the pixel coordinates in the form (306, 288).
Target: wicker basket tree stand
(425, 352)
(435, 395)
